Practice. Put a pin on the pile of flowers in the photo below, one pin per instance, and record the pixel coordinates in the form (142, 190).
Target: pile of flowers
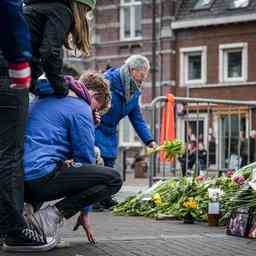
(169, 198)
(243, 193)
(175, 197)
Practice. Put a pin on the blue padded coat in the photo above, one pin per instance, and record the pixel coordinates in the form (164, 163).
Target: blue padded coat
(106, 133)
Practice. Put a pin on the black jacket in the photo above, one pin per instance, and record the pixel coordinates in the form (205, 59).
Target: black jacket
(4, 76)
(48, 22)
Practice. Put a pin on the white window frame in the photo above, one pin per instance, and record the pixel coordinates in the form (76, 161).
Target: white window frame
(223, 63)
(131, 140)
(184, 54)
(217, 121)
(132, 6)
(192, 117)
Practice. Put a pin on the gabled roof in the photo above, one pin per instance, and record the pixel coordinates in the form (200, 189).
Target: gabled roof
(219, 12)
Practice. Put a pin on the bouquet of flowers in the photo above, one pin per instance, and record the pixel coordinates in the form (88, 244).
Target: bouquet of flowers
(171, 148)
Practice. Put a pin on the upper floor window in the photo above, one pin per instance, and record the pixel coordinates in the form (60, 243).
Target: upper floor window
(193, 65)
(131, 19)
(203, 4)
(239, 3)
(233, 62)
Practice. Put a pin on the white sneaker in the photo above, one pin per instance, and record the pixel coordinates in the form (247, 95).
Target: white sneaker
(61, 242)
(50, 220)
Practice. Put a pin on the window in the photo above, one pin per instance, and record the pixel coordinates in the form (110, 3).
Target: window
(231, 127)
(127, 135)
(239, 4)
(193, 65)
(233, 62)
(203, 4)
(131, 19)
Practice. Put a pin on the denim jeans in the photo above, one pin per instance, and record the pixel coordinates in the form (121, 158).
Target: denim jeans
(13, 109)
(79, 186)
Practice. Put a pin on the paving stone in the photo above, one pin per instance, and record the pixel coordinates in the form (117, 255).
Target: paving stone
(138, 236)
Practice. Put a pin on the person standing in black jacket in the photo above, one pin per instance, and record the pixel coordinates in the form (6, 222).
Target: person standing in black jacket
(15, 78)
(54, 24)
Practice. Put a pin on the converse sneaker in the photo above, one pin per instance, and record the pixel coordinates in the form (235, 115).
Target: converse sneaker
(30, 239)
(61, 242)
(28, 211)
(50, 220)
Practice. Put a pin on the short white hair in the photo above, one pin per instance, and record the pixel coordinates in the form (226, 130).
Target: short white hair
(138, 62)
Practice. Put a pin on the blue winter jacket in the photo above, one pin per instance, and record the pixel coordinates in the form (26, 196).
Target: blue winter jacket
(57, 130)
(106, 132)
(15, 37)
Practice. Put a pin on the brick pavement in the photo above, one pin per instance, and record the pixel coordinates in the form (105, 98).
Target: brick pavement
(137, 236)
(133, 236)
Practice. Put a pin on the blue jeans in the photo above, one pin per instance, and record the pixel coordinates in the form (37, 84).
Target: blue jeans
(13, 109)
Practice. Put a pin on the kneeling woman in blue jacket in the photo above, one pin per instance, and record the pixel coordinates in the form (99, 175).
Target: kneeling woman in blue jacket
(62, 129)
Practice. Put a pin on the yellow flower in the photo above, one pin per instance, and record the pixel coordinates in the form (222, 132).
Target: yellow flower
(185, 204)
(156, 199)
(190, 203)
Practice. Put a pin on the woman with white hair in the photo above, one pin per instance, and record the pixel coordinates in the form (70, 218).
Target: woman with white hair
(126, 87)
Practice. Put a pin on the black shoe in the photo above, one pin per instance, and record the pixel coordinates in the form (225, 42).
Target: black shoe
(30, 239)
(108, 203)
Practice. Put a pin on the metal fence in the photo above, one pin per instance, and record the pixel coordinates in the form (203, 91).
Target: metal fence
(219, 135)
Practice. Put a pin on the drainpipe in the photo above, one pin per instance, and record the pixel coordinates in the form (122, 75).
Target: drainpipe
(153, 66)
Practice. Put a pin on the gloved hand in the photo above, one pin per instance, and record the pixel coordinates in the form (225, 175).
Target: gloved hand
(43, 87)
(20, 75)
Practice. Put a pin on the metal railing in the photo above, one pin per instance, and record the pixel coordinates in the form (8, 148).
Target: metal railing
(221, 129)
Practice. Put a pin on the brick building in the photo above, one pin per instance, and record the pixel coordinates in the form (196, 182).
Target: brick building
(205, 48)
(124, 27)
(215, 58)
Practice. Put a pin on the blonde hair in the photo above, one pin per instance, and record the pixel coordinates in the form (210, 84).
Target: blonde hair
(79, 36)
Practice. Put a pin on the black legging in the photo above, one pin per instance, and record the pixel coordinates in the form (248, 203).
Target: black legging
(79, 186)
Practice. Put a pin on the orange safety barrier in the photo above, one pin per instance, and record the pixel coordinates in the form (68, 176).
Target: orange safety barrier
(168, 123)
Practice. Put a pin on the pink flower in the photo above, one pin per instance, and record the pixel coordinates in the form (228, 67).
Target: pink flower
(200, 178)
(238, 180)
(230, 173)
